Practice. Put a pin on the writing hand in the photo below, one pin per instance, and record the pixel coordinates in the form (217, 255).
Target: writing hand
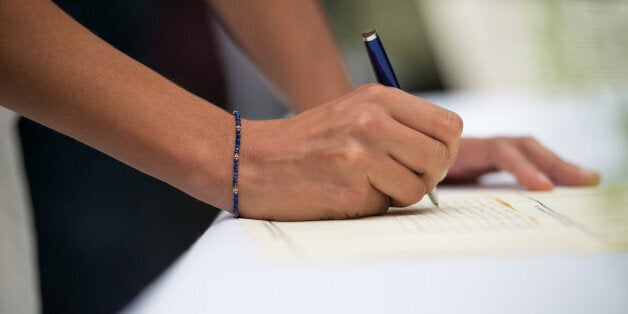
(532, 164)
(352, 157)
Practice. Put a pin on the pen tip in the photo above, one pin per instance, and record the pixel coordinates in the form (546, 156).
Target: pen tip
(433, 197)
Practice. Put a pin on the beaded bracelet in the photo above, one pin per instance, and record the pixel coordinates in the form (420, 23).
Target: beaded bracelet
(236, 157)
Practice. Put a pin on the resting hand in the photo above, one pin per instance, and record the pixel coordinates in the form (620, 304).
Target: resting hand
(355, 156)
(533, 165)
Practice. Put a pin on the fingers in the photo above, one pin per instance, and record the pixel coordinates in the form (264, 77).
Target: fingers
(399, 162)
(559, 170)
(510, 158)
(535, 166)
(422, 136)
(402, 185)
(416, 134)
(386, 180)
(418, 152)
(416, 113)
(380, 146)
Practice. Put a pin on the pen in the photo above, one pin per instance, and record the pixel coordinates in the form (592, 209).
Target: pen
(385, 74)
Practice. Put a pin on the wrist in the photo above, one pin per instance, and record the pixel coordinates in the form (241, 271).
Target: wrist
(209, 161)
(256, 148)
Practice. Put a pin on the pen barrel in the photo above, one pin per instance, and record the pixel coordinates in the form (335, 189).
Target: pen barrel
(384, 73)
(380, 63)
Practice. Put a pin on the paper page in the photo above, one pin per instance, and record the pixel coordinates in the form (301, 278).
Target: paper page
(468, 221)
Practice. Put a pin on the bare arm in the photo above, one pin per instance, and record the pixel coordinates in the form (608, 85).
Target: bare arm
(292, 44)
(347, 158)
(56, 72)
(334, 161)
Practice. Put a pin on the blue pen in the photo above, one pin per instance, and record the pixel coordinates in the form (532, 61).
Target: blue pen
(384, 73)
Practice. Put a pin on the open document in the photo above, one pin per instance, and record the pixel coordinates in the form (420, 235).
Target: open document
(468, 221)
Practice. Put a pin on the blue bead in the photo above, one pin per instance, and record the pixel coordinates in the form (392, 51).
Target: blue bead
(236, 150)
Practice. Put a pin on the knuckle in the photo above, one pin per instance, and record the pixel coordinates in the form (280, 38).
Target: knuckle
(372, 90)
(453, 151)
(354, 153)
(442, 153)
(451, 125)
(367, 120)
(376, 93)
(455, 122)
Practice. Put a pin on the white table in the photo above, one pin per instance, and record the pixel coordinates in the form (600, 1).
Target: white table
(19, 282)
(225, 273)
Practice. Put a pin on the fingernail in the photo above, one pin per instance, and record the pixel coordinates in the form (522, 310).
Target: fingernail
(593, 176)
(589, 172)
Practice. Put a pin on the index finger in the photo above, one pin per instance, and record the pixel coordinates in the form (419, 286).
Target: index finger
(558, 169)
(419, 114)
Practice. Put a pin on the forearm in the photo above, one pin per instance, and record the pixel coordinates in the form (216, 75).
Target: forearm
(56, 72)
(292, 44)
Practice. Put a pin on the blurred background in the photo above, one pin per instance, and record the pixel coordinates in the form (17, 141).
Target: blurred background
(521, 46)
(89, 233)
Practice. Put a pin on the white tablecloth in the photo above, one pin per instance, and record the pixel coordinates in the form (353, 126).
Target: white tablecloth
(225, 273)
